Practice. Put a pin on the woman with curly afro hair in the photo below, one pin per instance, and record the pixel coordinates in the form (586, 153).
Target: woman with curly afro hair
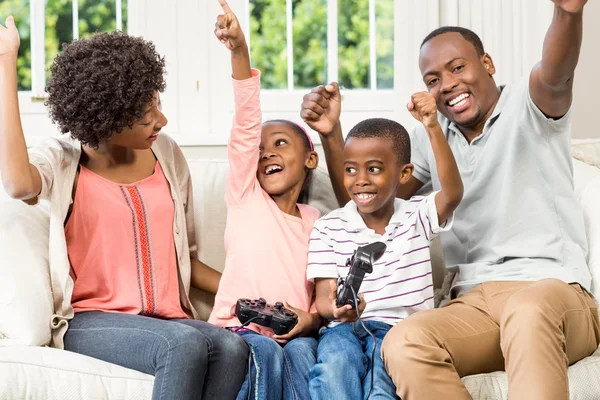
(122, 244)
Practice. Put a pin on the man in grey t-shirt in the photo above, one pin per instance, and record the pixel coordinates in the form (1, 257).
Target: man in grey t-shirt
(518, 244)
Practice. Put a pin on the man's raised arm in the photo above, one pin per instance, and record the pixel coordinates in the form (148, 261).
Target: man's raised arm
(551, 80)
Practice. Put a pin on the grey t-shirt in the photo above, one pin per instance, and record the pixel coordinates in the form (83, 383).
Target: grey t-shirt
(519, 219)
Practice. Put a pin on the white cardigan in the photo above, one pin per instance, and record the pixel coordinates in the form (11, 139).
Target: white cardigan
(57, 159)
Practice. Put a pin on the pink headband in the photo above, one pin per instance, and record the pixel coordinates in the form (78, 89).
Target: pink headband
(312, 147)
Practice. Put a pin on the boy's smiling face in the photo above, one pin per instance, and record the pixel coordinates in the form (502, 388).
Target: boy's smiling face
(372, 175)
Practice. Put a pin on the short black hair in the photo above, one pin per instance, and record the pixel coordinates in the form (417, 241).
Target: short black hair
(467, 34)
(99, 86)
(382, 128)
(304, 195)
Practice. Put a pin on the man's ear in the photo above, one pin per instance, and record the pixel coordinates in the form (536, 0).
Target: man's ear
(488, 63)
(312, 161)
(406, 173)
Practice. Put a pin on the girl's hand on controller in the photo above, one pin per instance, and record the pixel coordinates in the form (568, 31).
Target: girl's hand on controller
(306, 326)
(344, 313)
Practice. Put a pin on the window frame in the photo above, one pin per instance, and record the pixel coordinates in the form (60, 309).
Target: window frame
(369, 99)
(199, 98)
(31, 102)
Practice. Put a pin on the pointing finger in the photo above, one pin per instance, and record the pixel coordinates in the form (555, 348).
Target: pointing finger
(225, 6)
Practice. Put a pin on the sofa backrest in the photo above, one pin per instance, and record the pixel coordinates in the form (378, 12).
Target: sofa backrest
(210, 213)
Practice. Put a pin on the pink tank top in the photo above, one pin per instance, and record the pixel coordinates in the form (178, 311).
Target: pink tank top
(121, 248)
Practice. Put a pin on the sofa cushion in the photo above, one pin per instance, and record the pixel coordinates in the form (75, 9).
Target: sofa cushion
(587, 189)
(26, 303)
(51, 374)
(587, 150)
(583, 382)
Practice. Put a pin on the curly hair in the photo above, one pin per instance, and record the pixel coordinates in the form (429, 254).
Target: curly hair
(101, 85)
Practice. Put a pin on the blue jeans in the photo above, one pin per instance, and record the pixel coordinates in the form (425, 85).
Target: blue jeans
(189, 359)
(344, 363)
(278, 371)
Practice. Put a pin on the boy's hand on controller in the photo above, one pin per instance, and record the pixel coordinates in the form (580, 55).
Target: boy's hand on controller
(423, 108)
(228, 30)
(9, 38)
(302, 328)
(344, 313)
(321, 108)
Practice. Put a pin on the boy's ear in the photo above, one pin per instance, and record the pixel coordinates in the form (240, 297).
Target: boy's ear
(312, 160)
(406, 173)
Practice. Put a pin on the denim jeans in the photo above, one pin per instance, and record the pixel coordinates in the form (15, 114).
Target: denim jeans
(189, 359)
(343, 368)
(278, 371)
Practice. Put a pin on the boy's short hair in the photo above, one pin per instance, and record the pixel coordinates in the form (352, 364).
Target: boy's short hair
(99, 86)
(382, 128)
(467, 34)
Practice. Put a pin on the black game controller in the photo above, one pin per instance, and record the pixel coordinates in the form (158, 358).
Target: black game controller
(276, 317)
(361, 263)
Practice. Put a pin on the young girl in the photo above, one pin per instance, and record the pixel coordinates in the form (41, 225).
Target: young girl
(267, 233)
(122, 247)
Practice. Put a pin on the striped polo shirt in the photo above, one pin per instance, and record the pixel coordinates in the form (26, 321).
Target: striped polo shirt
(401, 281)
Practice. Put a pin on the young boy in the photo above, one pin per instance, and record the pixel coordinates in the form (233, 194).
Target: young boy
(376, 164)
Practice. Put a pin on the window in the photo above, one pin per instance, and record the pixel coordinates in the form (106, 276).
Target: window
(370, 47)
(56, 22)
(20, 10)
(299, 44)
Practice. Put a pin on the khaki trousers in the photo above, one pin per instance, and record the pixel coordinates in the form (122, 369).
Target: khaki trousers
(531, 330)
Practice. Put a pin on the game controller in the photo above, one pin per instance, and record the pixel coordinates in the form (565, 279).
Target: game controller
(360, 264)
(276, 317)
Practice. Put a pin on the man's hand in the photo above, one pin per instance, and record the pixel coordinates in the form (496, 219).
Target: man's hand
(9, 38)
(422, 107)
(344, 313)
(307, 325)
(321, 108)
(228, 30)
(570, 6)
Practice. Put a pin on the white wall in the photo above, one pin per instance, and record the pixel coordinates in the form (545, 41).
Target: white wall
(587, 83)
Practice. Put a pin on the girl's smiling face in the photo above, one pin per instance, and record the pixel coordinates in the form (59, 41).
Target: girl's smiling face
(284, 159)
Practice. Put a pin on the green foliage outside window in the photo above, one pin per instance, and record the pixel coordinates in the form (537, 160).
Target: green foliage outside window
(267, 38)
(94, 16)
(20, 10)
(269, 47)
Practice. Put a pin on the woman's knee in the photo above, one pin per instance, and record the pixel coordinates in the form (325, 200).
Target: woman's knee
(233, 345)
(185, 344)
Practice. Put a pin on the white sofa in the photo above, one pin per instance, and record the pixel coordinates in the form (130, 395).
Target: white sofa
(33, 372)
